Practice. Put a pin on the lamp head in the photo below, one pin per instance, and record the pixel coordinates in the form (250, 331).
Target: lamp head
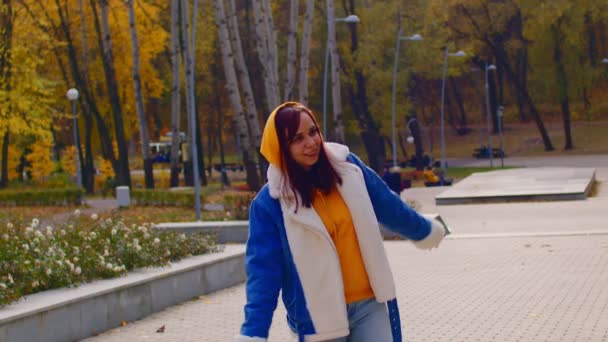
(72, 94)
(351, 19)
(491, 67)
(415, 37)
(605, 60)
(410, 139)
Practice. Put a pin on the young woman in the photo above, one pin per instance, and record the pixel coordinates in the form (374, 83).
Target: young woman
(314, 236)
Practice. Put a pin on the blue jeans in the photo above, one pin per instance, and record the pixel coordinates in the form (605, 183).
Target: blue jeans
(368, 321)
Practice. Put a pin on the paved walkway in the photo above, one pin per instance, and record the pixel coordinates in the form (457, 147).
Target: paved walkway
(510, 272)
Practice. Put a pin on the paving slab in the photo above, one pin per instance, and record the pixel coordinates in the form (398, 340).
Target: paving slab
(492, 289)
(524, 184)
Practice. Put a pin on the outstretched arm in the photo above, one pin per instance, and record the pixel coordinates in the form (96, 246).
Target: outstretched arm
(394, 214)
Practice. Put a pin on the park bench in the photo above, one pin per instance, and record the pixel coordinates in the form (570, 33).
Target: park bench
(484, 153)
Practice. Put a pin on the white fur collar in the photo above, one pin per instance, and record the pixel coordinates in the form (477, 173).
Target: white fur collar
(276, 178)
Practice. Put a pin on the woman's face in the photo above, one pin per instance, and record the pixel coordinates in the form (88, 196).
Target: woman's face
(306, 143)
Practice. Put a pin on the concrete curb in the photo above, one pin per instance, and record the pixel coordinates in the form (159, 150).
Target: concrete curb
(75, 313)
(238, 231)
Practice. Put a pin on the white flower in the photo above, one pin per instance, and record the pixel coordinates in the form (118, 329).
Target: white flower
(156, 241)
(109, 266)
(94, 216)
(10, 279)
(9, 225)
(138, 248)
(77, 212)
(77, 270)
(48, 272)
(182, 236)
(5, 237)
(75, 259)
(59, 262)
(136, 241)
(109, 220)
(3, 286)
(114, 231)
(93, 235)
(49, 230)
(35, 222)
(76, 250)
(28, 230)
(35, 283)
(146, 236)
(38, 234)
(105, 253)
(142, 229)
(26, 262)
(62, 232)
(26, 247)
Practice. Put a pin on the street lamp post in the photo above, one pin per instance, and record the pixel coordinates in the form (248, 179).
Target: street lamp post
(415, 38)
(488, 113)
(445, 68)
(351, 19)
(72, 95)
(499, 118)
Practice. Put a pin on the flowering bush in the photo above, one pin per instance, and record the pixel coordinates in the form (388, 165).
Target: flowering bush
(34, 259)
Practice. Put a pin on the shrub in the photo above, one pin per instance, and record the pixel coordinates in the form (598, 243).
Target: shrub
(163, 197)
(23, 197)
(85, 248)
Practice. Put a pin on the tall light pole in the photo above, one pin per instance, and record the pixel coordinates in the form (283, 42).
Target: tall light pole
(72, 95)
(414, 38)
(445, 69)
(488, 113)
(351, 19)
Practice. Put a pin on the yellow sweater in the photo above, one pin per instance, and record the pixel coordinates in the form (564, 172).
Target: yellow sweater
(337, 219)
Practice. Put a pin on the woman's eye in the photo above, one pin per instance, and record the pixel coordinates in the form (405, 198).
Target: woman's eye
(297, 138)
(313, 132)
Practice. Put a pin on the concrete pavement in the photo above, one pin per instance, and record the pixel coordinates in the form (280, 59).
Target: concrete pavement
(510, 272)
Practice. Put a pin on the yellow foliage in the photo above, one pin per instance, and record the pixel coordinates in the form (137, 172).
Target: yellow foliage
(105, 168)
(40, 163)
(13, 162)
(68, 160)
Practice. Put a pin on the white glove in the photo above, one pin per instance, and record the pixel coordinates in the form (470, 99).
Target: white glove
(241, 338)
(434, 238)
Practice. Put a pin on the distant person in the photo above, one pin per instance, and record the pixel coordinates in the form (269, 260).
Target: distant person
(314, 237)
(430, 178)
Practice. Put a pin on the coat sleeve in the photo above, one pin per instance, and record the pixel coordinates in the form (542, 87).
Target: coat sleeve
(263, 264)
(390, 210)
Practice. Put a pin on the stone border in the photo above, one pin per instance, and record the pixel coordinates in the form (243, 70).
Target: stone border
(75, 313)
(237, 231)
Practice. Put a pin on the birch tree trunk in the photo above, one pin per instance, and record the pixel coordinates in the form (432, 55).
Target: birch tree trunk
(338, 135)
(175, 94)
(271, 41)
(192, 163)
(123, 177)
(253, 122)
(304, 57)
(292, 39)
(139, 102)
(240, 117)
(261, 40)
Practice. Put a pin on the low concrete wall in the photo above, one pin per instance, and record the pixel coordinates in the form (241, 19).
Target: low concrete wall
(237, 231)
(72, 314)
